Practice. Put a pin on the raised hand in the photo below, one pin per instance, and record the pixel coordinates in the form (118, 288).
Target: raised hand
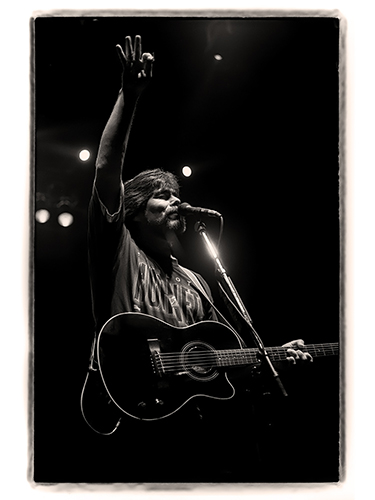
(137, 66)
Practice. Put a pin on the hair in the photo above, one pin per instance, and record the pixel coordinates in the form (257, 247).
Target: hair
(140, 189)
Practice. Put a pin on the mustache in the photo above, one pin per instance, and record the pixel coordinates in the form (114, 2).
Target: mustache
(172, 210)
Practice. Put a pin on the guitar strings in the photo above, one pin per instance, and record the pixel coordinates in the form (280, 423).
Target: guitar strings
(307, 347)
(172, 361)
(247, 353)
(242, 353)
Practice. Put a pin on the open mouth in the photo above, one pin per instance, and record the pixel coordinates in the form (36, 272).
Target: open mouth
(174, 215)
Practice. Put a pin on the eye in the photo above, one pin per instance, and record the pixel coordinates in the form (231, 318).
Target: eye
(163, 195)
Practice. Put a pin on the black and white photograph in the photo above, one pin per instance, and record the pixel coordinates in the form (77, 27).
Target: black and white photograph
(187, 250)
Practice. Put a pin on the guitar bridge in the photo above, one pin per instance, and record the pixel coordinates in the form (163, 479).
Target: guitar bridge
(156, 361)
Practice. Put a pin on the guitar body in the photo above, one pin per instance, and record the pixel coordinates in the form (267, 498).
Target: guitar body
(151, 369)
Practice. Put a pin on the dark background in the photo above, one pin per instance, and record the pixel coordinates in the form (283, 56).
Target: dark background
(259, 129)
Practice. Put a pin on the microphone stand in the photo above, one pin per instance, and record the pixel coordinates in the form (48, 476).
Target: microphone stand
(200, 228)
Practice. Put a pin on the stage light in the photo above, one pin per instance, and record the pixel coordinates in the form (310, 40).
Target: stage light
(65, 219)
(218, 57)
(84, 155)
(42, 216)
(187, 171)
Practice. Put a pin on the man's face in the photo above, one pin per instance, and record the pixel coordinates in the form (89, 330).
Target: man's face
(162, 211)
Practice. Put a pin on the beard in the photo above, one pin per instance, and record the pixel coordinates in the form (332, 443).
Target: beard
(176, 225)
(168, 221)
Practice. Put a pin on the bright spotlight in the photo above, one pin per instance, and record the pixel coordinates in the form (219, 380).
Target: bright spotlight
(65, 219)
(84, 155)
(218, 57)
(42, 215)
(186, 171)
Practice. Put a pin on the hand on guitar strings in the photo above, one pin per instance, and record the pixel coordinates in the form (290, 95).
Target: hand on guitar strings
(295, 352)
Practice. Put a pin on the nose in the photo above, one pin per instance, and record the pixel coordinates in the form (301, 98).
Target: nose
(174, 201)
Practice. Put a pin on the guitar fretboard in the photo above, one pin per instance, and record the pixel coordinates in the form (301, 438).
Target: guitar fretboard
(232, 357)
(178, 362)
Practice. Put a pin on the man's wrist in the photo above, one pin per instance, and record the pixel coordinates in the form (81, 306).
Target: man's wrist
(130, 94)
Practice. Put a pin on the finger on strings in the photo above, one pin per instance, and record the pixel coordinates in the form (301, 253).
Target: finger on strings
(292, 355)
(137, 48)
(291, 352)
(129, 54)
(305, 356)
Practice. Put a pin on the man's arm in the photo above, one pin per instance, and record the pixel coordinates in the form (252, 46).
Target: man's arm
(136, 74)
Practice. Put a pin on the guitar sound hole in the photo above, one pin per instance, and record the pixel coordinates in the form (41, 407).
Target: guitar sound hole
(199, 360)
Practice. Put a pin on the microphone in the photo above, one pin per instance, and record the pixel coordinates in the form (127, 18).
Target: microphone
(186, 209)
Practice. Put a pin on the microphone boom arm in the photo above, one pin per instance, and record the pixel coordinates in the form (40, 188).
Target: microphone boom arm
(200, 228)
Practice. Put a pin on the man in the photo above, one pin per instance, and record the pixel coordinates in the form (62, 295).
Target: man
(148, 205)
(132, 269)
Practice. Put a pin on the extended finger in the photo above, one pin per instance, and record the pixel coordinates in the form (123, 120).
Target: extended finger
(121, 54)
(129, 54)
(137, 48)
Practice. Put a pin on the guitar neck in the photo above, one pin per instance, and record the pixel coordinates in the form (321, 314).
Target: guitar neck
(241, 357)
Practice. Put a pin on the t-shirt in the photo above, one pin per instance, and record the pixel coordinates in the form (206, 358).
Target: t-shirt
(125, 279)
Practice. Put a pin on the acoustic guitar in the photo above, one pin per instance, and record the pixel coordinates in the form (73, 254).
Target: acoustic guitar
(149, 369)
